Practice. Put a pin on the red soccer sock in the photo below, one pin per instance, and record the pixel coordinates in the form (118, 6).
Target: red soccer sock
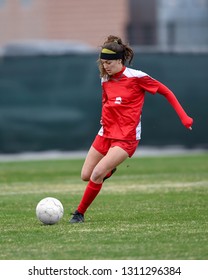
(89, 195)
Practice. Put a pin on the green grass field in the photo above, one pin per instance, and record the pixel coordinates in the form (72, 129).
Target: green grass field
(152, 208)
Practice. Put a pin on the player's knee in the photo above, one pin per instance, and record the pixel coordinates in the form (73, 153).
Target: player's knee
(85, 176)
(97, 175)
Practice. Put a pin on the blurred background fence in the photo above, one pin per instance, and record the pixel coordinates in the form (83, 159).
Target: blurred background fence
(53, 102)
(50, 95)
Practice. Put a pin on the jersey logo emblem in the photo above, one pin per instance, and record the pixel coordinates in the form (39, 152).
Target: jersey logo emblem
(118, 100)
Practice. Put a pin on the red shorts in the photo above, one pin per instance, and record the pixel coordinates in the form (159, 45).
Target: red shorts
(102, 145)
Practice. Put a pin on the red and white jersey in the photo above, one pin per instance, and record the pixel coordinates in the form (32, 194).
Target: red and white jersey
(122, 102)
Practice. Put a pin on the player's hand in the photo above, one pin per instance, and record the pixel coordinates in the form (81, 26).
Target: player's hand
(188, 122)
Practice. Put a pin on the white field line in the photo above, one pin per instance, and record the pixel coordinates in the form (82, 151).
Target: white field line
(74, 189)
(140, 152)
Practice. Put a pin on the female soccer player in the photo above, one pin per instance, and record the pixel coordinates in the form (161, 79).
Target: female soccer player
(123, 92)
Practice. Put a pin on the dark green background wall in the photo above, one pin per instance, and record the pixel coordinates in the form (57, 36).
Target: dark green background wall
(54, 102)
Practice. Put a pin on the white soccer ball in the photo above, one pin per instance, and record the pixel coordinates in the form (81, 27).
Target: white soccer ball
(49, 210)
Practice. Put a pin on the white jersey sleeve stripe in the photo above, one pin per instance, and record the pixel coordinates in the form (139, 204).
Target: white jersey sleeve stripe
(130, 73)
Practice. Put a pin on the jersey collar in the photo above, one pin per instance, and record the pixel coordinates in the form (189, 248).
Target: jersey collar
(118, 74)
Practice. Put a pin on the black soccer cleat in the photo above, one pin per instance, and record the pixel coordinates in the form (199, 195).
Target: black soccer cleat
(109, 175)
(77, 218)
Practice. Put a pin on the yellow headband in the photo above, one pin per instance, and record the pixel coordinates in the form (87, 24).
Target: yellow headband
(110, 55)
(104, 50)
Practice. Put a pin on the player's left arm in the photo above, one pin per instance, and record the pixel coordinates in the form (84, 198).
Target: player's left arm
(170, 96)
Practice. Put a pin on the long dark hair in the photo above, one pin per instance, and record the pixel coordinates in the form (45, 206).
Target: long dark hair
(114, 43)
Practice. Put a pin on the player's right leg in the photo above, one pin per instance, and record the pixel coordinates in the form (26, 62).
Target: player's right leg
(92, 159)
(113, 158)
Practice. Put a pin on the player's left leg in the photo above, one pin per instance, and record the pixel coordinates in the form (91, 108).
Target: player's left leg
(115, 156)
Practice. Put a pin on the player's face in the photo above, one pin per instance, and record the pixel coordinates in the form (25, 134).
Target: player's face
(112, 66)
